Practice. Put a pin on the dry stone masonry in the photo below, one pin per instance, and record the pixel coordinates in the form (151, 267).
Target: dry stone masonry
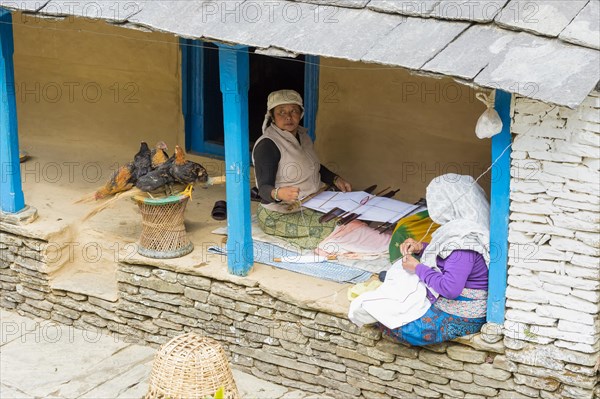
(276, 340)
(552, 329)
(551, 343)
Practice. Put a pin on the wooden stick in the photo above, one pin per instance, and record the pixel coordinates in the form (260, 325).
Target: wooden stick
(330, 198)
(298, 204)
(383, 191)
(215, 180)
(328, 257)
(309, 197)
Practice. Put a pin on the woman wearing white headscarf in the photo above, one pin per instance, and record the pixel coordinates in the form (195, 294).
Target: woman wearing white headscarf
(442, 295)
(287, 169)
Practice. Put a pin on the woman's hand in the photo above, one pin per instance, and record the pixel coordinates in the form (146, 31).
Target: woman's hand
(287, 194)
(409, 263)
(342, 185)
(410, 246)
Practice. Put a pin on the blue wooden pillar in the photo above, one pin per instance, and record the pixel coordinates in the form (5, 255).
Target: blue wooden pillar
(499, 211)
(311, 94)
(234, 72)
(11, 192)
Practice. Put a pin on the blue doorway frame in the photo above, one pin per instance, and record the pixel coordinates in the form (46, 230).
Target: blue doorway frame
(193, 78)
(192, 99)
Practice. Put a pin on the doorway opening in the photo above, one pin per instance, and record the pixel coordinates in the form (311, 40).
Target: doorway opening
(203, 101)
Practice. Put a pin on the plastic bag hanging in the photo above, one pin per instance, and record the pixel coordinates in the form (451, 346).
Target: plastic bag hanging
(489, 123)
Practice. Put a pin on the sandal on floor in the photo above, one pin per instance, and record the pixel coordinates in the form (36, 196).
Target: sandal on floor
(219, 211)
(254, 195)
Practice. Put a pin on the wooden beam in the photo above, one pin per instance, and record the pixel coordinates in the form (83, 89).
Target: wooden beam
(499, 212)
(11, 191)
(234, 71)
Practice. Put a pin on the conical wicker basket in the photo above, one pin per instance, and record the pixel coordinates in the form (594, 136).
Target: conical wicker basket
(163, 231)
(191, 367)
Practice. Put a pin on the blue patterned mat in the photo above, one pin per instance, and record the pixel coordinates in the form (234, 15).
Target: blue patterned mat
(265, 253)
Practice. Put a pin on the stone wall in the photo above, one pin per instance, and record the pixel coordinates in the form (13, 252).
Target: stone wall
(295, 346)
(553, 296)
(22, 281)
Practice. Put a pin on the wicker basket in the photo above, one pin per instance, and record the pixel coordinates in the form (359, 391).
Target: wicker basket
(163, 231)
(191, 367)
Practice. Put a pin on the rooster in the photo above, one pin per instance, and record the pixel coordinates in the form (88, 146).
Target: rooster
(159, 154)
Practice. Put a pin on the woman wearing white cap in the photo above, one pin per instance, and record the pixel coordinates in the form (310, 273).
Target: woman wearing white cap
(287, 169)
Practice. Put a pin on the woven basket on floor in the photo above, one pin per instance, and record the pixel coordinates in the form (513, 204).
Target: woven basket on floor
(163, 231)
(191, 367)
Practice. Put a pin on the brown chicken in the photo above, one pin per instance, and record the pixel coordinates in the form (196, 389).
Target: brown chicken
(121, 180)
(159, 154)
(127, 175)
(186, 172)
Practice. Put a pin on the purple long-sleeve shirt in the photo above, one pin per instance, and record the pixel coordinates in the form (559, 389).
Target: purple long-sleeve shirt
(461, 269)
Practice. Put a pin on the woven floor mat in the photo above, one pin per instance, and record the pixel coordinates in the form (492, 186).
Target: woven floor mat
(265, 253)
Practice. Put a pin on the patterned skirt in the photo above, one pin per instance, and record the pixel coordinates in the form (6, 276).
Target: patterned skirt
(301, 228)
(438, 324)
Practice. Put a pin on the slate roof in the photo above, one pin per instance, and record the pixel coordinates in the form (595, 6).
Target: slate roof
(542, 49)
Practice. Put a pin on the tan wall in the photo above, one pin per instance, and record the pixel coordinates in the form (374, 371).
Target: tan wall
(83, 82)
(384, 126)
(375, 124)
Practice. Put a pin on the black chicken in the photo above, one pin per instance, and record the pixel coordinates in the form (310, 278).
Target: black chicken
(175, 170)
(142, 161)
(156, 179)
(186, 172)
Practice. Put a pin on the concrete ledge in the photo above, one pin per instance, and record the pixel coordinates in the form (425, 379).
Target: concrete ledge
(23, 217)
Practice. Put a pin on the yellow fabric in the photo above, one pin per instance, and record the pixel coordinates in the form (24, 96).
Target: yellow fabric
(418, 227)
(361, 288)
(414, 227)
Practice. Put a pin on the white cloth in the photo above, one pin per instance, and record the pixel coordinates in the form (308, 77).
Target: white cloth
(459, 205)
(401, 299)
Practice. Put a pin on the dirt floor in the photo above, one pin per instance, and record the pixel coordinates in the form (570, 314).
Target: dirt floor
(59, 173)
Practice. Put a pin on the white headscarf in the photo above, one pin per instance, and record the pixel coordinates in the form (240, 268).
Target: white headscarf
(281, 97)
(459, 205)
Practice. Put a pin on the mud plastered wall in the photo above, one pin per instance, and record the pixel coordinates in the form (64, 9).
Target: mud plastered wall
(82, 81)
(380, 125)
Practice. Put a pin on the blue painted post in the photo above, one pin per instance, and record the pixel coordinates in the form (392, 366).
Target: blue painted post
(499, 210)
(234, 72)
(311, 94)
(11, 192)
